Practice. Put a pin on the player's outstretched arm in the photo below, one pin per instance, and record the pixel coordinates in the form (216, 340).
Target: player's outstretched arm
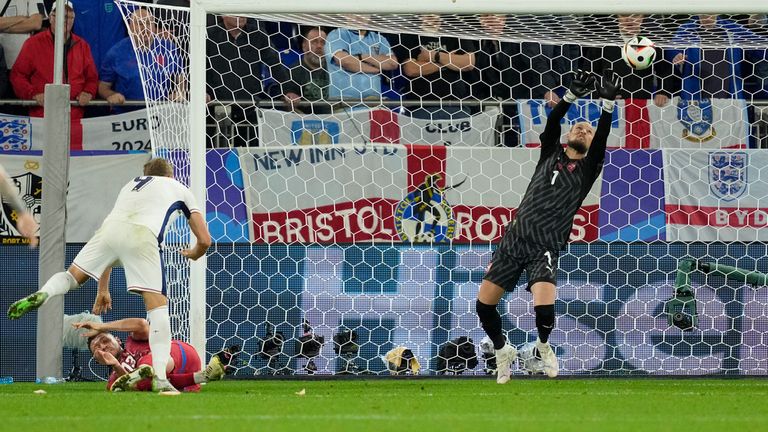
(200, 230)
(608, 88)
(139, 327)
(582, 85)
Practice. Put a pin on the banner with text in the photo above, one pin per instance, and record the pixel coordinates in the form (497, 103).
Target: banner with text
(716, 195)
(411, 193)
(94, 182)
(639, 123)
(279, 128)
(121, 132)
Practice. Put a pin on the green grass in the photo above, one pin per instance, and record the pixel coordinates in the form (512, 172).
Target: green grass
(396, 405)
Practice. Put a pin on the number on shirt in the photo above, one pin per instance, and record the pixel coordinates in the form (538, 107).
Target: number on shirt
(554, 176)
(140, 183)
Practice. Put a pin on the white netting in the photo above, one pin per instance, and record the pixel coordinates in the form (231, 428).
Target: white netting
(316, 243)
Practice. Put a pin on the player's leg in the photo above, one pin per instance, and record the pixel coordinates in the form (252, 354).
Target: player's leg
(133, 380)
(90, 262)
(141, 258)
(159, 338)
(487, 300)
(542, 279)
(187, 373)
(502, 275)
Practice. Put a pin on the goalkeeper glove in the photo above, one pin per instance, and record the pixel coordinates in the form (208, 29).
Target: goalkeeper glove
(582, 85)
(608, 89)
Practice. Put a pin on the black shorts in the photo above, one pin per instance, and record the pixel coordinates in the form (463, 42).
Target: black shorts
(515, 255)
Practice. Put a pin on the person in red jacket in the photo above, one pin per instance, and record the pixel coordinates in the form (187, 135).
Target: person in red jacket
(34, 67)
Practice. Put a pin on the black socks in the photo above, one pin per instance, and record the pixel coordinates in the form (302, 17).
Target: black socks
(545, 320)
(491, 322)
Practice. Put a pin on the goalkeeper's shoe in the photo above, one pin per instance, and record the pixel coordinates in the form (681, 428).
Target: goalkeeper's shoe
(548, 358)
(504, 359)
(164, 387)
(27, 304)
(215, 369)
(130, 380)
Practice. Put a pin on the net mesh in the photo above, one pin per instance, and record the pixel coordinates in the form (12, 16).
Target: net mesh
(330, 257)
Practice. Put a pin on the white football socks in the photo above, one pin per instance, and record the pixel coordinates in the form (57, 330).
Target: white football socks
(59, 284)
(159, 339)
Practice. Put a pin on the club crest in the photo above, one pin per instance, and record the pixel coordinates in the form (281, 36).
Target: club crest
(424, 216)
(15, 133)
(310, 132)
(696, 118)
(728, 174)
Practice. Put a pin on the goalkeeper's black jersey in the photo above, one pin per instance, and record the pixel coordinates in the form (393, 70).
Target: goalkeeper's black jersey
(558, 186)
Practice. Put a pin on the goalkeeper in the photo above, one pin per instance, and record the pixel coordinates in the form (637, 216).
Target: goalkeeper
(544, 219)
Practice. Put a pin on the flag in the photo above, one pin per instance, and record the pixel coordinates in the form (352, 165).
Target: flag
(705, 123)
(716, 195)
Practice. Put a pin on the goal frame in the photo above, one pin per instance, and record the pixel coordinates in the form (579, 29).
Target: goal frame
(197, 104)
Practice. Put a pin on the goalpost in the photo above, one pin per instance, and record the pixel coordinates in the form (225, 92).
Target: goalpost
(329, 234)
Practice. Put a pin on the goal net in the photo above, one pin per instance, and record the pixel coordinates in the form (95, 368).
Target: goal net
(360, 169)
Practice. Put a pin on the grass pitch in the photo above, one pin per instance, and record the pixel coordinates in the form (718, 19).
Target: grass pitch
(396, 405)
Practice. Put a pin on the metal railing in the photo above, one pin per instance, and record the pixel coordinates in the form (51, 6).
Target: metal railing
(759, 125)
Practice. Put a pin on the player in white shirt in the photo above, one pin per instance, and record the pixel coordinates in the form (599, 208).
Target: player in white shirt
(25, 222)
(132, 235)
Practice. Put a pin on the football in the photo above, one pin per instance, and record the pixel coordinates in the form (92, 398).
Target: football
(527, 360)
(639, 52)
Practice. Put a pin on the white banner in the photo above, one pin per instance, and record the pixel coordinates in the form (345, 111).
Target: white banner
(715, 123)
(94, 182)
(389, 192)
(716, 195)
(279, 128)
(477, 130)
(534, 113)
(121, 132)
(709, 123)
(127, 131)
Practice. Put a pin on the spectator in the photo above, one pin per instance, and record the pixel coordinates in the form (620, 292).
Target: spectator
(717, 72)
(15, 30)
(34, 67)
(436, 67)
(527, 70)
(356, 60)
(308, 72)
(119, 76)
(3, 72)
(100, 23)
(238, 53)
(21, 24)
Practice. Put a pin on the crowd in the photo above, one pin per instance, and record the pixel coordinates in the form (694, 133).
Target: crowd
(322, 70)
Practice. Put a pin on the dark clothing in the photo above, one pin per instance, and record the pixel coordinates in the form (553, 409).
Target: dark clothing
(558, 186)
(525, 70)
(637, 84)
(515, 255)
(544, 218)
(3, 73)
(235, 65)
(312, 85)
(443, 84)
(528, 70)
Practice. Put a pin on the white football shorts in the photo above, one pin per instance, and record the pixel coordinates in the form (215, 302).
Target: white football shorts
(134, 247)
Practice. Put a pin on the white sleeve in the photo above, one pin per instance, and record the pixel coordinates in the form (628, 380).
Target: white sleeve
(191, 202)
